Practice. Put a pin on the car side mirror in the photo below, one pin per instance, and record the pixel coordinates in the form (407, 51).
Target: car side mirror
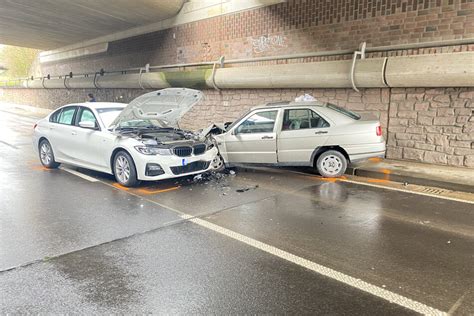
(87, 124)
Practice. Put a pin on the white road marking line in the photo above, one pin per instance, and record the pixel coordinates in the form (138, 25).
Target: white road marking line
(305, 263)
(458, 303)
(8, 144)
(408, 191)
(393, 189)
(320, 269)
(79, 174)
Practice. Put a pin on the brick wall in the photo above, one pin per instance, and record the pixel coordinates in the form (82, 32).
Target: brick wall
(295, 26)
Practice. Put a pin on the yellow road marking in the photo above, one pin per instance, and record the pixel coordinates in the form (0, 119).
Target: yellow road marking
(378, 180)
(146, 191)
(120, 187)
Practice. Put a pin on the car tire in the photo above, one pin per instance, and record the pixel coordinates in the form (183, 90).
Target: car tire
(46, 155)
(331, 164)
(124, 169)
(218, 163)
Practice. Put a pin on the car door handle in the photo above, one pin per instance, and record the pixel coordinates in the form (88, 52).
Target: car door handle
(321, 132)
(267, 137)
(73, 133)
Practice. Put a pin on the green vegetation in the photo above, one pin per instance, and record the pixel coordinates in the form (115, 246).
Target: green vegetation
(17, 60)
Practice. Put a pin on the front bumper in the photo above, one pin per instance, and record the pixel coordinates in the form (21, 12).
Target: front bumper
(174, 166)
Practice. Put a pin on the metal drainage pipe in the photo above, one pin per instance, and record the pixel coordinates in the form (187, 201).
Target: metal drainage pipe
(439, 70)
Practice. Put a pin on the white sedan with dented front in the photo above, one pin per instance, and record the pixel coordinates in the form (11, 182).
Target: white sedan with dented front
(138, 141)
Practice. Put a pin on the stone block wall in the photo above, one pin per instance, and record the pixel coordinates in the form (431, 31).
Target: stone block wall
(424, 125)
(432, 126)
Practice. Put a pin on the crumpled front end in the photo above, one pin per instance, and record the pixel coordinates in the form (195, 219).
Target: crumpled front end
(164, 153)
(159, 167)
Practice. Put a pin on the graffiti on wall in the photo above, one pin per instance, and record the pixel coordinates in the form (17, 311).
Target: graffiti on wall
(267, 43)
(206, 52)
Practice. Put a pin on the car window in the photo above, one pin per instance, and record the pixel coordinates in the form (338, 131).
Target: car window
(261, 122)
(346, 112)
(66, 115)
(54, 117)
(87, 115)
(295, 119)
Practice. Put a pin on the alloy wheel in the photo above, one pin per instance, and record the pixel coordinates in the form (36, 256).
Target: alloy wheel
(46, 154)
(122, 169)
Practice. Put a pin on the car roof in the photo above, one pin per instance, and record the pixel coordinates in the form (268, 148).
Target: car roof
(286, 104)
(101, 105)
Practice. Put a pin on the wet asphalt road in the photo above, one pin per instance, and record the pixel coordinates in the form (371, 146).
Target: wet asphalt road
(70, 245)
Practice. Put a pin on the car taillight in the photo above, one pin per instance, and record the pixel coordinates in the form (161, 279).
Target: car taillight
(378, 130)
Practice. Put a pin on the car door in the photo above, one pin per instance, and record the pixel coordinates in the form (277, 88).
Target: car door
(253, 140)
(303, 130)
(91, 144)
(61, 132)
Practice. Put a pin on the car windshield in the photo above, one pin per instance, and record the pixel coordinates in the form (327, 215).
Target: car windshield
(228, 128)
(108, 115)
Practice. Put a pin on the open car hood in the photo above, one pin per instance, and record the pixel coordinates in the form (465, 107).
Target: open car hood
(166, 106)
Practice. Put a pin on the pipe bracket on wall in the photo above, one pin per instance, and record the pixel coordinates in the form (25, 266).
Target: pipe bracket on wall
(214, 68)
(65, 85)
(42, 83)
(95, 81)
(147, 69)
(361, 53)
(384, 68)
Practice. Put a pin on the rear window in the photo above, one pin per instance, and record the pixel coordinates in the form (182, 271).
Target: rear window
(346, 112)
(54, 117)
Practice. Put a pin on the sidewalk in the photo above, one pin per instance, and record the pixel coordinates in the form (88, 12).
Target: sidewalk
(25, 110)
(446, 177)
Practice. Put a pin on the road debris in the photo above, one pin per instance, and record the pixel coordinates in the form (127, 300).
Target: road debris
(247, 189)
(214, 181)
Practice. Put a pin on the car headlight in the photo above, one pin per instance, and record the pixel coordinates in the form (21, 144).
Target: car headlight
(149, 150)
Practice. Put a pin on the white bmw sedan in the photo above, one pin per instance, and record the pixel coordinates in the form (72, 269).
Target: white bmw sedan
(138, 141)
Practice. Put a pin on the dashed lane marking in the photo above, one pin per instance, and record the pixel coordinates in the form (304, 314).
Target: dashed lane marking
(79, 174)
(320, 269)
